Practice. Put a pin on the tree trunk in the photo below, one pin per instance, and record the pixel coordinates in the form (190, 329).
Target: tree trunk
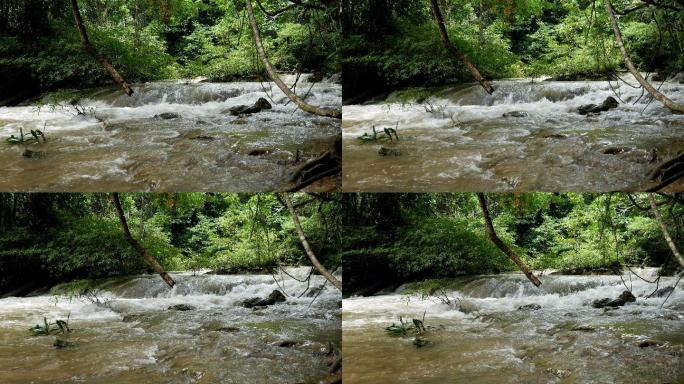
(632, 69)
(94, 53)
(444, 36)
(491, 234)
(663, 228)
(139, 248)
(336, 113)
(295, 219)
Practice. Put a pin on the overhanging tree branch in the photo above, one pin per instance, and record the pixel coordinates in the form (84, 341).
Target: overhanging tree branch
(94, 53)
(663, 229)
(491, 234)
(134, 243)
(314, 260)
(303, 105)
(673, 106)
(444, 36)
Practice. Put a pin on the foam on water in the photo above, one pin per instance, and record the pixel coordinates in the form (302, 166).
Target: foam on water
(552, 148)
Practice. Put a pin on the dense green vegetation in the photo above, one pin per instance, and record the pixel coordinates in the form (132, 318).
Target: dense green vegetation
(46, 238)
(40, 48)
(380, 239)
(391, 238)
(394, 44)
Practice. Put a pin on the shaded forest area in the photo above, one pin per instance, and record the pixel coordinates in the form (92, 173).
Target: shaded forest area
(41, 50)
(51, 238)
(395, 238)
(395, 44)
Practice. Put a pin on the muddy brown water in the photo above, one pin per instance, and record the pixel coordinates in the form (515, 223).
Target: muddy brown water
(491, 341)
(135, 338)
(122, 144)
(459, 140)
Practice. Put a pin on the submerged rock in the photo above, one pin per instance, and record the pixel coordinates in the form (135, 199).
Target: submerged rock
(182, 307)
(29, 154)
(275, 297)
(419, 342)
(559, 373)
(529, 307)
(515, 114)
(168, 115)
(624, 298)
(650, 343)
(260, 105)
(608, 104)
(289, 343)
(59, 344)
(384, 151)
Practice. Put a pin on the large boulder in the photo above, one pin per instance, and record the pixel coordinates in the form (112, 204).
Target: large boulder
(608, 104)
(275, 297)
(624, 298)
(529, 307)
(259, 106)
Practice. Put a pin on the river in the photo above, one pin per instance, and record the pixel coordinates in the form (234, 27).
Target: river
(121, 143)
(459, 140)
(134, 338)
(487, 339)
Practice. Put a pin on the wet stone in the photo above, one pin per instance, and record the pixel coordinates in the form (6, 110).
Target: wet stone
(182, 307)
(59, 344)
(384, 151)
(529, 307)
(168, 116)
(517, 114)
(29, 154)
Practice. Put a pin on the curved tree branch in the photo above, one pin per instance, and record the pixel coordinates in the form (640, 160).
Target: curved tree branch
(336, 113)
(314, 260)
(666, 233)
(491, 234)
(94, 53)
(134, 243)
(673, 106)
(444, 36)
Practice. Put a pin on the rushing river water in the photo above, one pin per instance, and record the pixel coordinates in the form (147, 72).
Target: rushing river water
(120, 144)
(137, 339)
(458, 139)
(566, 341)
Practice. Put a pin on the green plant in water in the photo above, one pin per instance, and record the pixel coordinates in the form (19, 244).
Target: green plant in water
(46, 329)
(390, 134)
(415, 327)
(36, 135)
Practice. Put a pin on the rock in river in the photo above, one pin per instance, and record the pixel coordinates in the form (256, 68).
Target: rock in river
(529, 307)
(624, 298)
(608, 103)
(275, 297)
(515, 114)
(168, 115)
(182, 307)
(260, 105)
